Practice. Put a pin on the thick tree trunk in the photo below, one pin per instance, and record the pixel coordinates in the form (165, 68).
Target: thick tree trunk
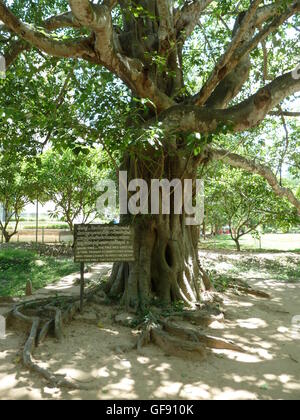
(167, 266)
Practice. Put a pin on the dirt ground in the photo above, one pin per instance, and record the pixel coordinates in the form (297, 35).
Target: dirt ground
(269, 368)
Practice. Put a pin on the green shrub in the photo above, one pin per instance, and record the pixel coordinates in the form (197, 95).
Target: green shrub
(17, 266)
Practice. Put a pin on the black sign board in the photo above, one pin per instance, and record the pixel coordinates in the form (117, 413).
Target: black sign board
(103, 243)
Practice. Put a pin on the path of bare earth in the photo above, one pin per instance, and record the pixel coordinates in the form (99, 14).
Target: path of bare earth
(89, 353)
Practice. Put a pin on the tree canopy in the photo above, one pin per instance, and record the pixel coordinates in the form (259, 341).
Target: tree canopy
(199, 66)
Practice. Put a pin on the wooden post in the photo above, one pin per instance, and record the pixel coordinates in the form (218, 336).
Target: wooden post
(3, 217)
(29, 289)
(37, 223)
(81, 286)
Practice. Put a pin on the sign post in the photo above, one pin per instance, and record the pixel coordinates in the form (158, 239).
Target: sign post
(101, 244)
(37, 223)
(81, 286)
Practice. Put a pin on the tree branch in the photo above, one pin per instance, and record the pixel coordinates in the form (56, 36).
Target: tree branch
(130, 70)
(103, 50)
(44, 41)
(236, 51)
(265, 13)
(15, 49)
(166, 23)
(188, 17)
(89, 15)
(284, 113)
(240, 162)
(267, 30)
(244, 116)
(53, 23)
(231, 85)
(65, 20)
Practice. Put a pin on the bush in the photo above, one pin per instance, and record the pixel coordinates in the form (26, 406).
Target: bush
(12, 258)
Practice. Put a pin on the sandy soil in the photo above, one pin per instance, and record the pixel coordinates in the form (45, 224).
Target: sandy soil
(269, 369)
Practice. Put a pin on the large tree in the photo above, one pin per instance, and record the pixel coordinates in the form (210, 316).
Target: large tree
(191, 68)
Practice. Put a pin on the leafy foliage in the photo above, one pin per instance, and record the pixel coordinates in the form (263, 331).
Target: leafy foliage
(17, 266)
(16, 190)
(245, 202)
(70, 182)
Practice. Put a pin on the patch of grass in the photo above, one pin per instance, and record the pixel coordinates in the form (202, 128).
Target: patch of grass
(218, 242)
(221, 282)
(270, 242)
(176, 308)
(285, 269)
(158, 309)
(224, 268)
(17, 266)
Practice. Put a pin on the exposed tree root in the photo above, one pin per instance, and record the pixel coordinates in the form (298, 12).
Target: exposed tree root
(47, 316)
(186, 342)
(253, 292)
(179, 348)
(28, 361)
(144, 337)
(244, 288)
(203, 317)
(44, 332)
(193, 335)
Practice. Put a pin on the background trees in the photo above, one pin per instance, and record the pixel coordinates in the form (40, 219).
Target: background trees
(16, 190)
(244, 202)
(70, 181)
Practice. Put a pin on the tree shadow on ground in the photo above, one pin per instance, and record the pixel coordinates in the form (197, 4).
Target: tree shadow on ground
(269, 368)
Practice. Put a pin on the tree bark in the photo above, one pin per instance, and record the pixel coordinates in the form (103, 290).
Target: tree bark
(7, 236)
(238, 245)
(167, 266)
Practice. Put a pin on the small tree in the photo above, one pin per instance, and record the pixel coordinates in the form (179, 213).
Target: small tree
(15, 193)
(246, 202)
(70, 180)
